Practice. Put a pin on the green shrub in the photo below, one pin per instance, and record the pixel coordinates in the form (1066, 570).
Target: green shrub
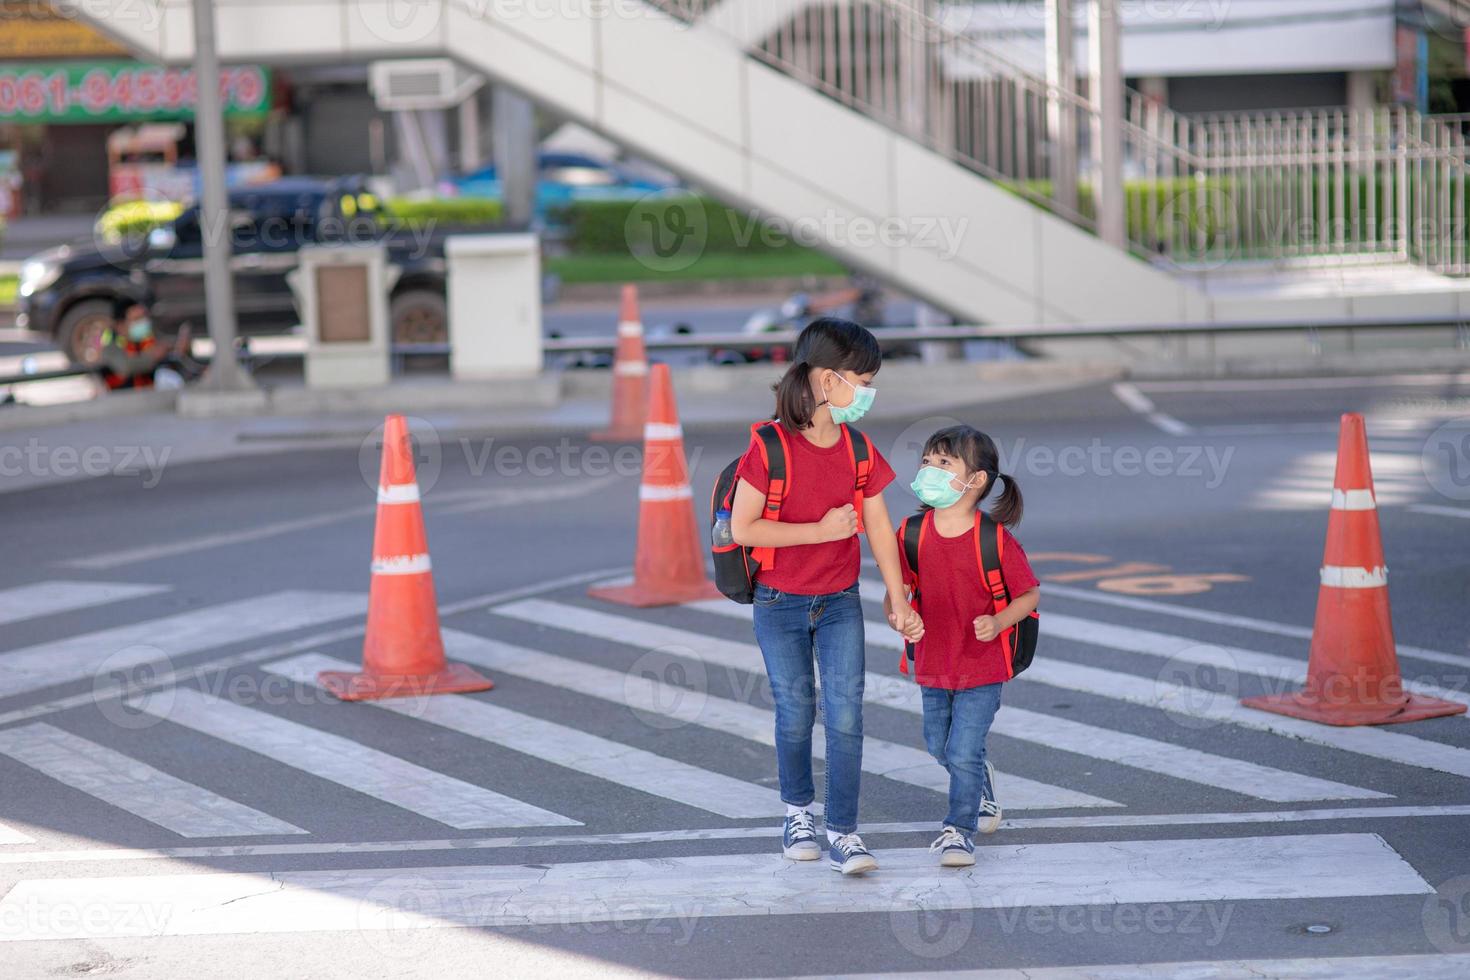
(618, 227)
(443, 210)
(133, 218)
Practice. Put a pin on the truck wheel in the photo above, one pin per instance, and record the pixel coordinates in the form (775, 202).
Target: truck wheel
(79, 335)
(419, 316)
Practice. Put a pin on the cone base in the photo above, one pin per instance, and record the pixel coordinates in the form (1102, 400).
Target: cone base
(644, 596)
(1414, 707)
(453, 679)
(629, 434)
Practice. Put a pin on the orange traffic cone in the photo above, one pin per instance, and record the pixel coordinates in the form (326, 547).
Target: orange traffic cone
(403, 654)
(669, 567)
(630, 376)
(1353, 672)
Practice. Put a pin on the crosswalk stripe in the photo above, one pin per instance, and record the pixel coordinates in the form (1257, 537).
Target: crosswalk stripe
(697, 707)
(344, 762)
(49, 598)
(9, 835)
(1183, 649)
(1419, 966)
(1134, 751)
(747, 657)
(569, 747)
(185, 809)
(1225, 709)
(157, 640)
(702, 886)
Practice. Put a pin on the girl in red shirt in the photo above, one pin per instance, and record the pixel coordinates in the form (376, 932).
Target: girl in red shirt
(959, 660)
(808, 618)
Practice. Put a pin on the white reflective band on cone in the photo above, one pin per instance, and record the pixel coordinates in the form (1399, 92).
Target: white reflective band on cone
(1353, 500)
(648, 491)
(630, 328)
(663, 430)
(631, 368)
(403, 493)
(401, 565)
(1346, 577)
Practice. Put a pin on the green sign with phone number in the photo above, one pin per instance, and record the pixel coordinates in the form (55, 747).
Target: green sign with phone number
(120, 91)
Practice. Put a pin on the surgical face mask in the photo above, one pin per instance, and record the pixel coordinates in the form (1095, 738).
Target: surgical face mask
(140, 329)
(862, 400)
(934, 486)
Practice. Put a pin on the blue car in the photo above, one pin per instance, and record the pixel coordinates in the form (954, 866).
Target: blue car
(566, 177)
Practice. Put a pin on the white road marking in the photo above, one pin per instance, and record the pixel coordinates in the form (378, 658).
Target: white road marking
(155, 641)
(1138, 752)
(1225, 709)
(138, 788)
(644, 694)
(344, 762)
(1134, 751)
(569, 747)
(167, 677)
(1141, 404)
(1011, 876)
(1109, 820)
(1283, 671)
(9, 835)
(49, 598)
(1227, 619)
(747, 657)
(1461, 512)
(1307, 481)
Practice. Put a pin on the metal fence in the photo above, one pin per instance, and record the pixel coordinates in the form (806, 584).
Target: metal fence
(1384, 184)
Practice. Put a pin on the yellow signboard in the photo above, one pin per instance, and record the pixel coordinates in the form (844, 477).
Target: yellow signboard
(33, 29)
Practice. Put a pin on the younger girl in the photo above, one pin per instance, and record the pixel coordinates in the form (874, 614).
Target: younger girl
(959, 660)
(806, 593)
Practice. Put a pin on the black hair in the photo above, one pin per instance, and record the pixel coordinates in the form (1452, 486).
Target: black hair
(827, 343)
(977, 451)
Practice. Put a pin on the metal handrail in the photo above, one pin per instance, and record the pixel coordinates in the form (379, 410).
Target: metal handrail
(1337, 183)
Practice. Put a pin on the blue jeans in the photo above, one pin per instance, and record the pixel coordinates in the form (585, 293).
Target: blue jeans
(956, 724)
(800, 635)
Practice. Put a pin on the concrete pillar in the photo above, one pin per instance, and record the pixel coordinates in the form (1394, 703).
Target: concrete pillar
(1061, 117)
(1155, 88)
(1362, 90)
(514, 124)
(469, 133)
(1104, 39)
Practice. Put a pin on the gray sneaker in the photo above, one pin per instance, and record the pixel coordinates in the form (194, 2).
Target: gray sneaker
(799, 841)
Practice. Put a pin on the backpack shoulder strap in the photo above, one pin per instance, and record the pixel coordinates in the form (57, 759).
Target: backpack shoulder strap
(860, 451)
(912, 530)
(770, 437)
(989, 542)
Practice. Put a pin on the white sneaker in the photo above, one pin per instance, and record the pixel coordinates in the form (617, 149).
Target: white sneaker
(955, 848)
(989, 820)
(799, 840)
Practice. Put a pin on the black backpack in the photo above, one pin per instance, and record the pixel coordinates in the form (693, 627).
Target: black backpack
(736, 565)
(1019, 642)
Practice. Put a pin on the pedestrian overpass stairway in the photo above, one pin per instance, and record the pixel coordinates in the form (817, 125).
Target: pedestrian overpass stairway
(907, 148)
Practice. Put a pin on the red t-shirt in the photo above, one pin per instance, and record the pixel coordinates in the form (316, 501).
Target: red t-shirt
(819, 479)
(951, 596)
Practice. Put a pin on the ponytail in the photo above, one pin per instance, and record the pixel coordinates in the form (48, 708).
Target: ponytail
(795, 403)
(1008, 508)
(827, 343)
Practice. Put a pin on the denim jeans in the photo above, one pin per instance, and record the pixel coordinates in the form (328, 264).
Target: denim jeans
(956, 724)
(799, 636)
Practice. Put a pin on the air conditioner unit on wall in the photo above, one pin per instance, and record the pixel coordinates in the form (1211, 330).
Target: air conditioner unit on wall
(421, 83)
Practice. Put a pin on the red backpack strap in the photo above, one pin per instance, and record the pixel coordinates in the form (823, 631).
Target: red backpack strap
(989, 547)
(860, 451)
(770, 439)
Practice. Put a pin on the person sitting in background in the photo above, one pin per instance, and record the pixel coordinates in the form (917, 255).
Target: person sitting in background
(132, 357)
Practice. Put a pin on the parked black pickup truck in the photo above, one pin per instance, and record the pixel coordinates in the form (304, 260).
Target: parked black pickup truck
(73, 292)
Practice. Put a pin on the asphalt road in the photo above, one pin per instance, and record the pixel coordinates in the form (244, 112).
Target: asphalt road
(1178, 531)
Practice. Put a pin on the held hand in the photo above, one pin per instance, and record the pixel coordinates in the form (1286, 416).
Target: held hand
(986, 627)
(906, 621)
(839, 524)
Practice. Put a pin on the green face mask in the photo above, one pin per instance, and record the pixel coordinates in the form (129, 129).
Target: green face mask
(933, 486)
(862, 400)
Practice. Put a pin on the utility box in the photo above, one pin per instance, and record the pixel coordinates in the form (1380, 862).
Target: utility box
(494, 305)
(342, 291)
